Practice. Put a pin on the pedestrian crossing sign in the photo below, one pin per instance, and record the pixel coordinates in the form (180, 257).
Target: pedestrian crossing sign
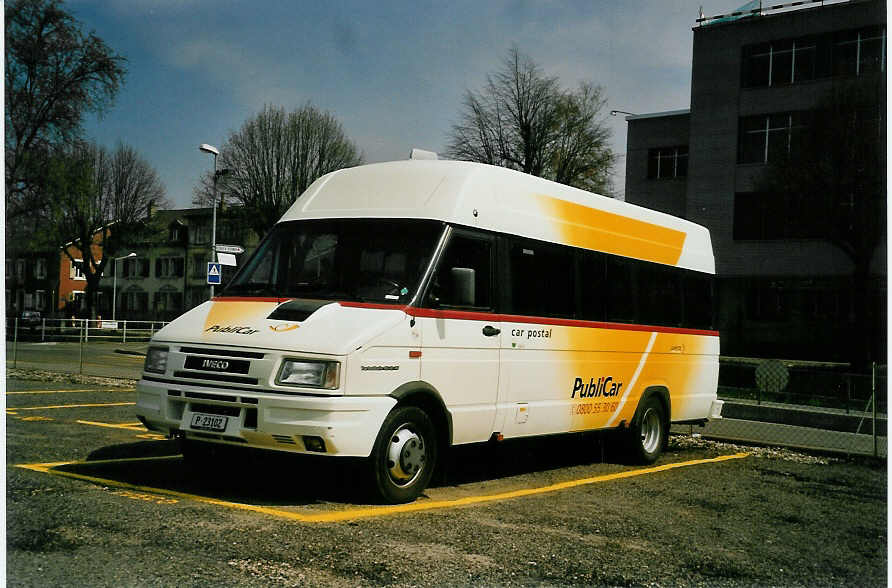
(215, 272)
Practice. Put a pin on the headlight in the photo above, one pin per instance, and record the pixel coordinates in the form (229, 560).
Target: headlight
(156, 360)
(311, 374)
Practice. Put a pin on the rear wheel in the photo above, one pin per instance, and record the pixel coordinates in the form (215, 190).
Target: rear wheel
(649, 432)
(404, 455)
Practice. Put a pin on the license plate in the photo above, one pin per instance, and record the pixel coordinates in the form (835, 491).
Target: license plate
(209, 422)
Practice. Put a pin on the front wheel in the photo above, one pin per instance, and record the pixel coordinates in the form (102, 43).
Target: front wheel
(648, 433)
(404, 455)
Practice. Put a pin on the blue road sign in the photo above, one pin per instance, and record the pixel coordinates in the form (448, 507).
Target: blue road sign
(215, 272)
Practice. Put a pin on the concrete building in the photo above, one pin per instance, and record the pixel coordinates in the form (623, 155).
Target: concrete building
(759, 81)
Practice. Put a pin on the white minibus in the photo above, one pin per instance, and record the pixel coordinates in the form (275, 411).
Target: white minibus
(398, 309)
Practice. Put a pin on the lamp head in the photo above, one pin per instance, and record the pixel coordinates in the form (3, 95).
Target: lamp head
(208, 149)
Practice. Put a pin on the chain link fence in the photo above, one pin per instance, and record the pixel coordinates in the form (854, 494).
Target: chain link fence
(810, 405)
(44, 329)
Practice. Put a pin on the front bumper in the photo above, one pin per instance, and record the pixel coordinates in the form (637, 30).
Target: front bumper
(348, 425)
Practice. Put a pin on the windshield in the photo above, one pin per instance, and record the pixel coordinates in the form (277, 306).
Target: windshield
(363, 260)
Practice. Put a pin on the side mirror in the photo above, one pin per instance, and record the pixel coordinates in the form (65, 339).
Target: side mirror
(463, 282)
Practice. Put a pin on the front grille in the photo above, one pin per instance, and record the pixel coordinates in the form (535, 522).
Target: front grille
(223, 352)
(215, 377)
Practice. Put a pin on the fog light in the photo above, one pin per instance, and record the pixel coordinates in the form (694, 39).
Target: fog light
(314, 444)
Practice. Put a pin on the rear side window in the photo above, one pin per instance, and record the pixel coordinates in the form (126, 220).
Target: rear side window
(660, 294)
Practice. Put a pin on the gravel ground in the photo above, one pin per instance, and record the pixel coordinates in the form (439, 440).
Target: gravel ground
(63, 377)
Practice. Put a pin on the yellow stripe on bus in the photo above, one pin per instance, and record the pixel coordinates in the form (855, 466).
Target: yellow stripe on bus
(590, 228)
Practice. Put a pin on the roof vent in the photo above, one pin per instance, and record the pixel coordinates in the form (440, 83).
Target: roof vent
(422, 154)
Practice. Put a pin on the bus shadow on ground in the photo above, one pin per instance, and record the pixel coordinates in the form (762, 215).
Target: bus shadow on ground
(287, 480)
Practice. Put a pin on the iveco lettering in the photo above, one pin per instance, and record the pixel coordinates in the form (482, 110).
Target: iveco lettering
(398, 309)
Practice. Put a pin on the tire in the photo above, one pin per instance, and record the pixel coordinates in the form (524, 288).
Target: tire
(404, 456)
(649, 432)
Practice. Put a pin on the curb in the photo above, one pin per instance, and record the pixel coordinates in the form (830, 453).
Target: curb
(130, 352)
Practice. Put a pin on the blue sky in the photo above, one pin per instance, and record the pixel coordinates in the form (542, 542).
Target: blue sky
(393, 73)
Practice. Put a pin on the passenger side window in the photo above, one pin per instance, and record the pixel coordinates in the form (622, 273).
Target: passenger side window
(594, 294)
(542, 279)
(621, 290)
(463, 278)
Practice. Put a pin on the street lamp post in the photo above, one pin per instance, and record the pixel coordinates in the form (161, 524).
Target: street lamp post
(213, 151)
(115, 282)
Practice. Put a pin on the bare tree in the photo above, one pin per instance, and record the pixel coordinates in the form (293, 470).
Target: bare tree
(99, 201)
(523, 120)
(54, 74)
(274, 157)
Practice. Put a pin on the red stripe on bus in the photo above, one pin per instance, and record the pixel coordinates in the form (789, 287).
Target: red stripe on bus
(468, 315)
(251, 299)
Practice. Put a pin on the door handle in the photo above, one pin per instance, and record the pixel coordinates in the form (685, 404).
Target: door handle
(489, 331)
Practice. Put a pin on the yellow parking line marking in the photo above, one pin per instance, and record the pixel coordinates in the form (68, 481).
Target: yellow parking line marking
(71, 406)
(65, 391)
(36, 418)
(137, 426)
(366, 512)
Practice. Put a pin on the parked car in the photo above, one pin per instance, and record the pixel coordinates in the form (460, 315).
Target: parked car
(30, 319)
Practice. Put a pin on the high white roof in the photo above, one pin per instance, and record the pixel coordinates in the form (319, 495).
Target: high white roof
(505, 201)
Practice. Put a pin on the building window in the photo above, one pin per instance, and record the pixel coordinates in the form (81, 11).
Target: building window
(76, 272)
(769, 137)
(168, 301)
(41, 300)
(20, 269)
(199, 265)
(780, 63)
(135, 301)
(169, 267)
(791, 61)
(135, 268)
(667, 162)
(860, 52)
(201, 234)
(40, 269)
